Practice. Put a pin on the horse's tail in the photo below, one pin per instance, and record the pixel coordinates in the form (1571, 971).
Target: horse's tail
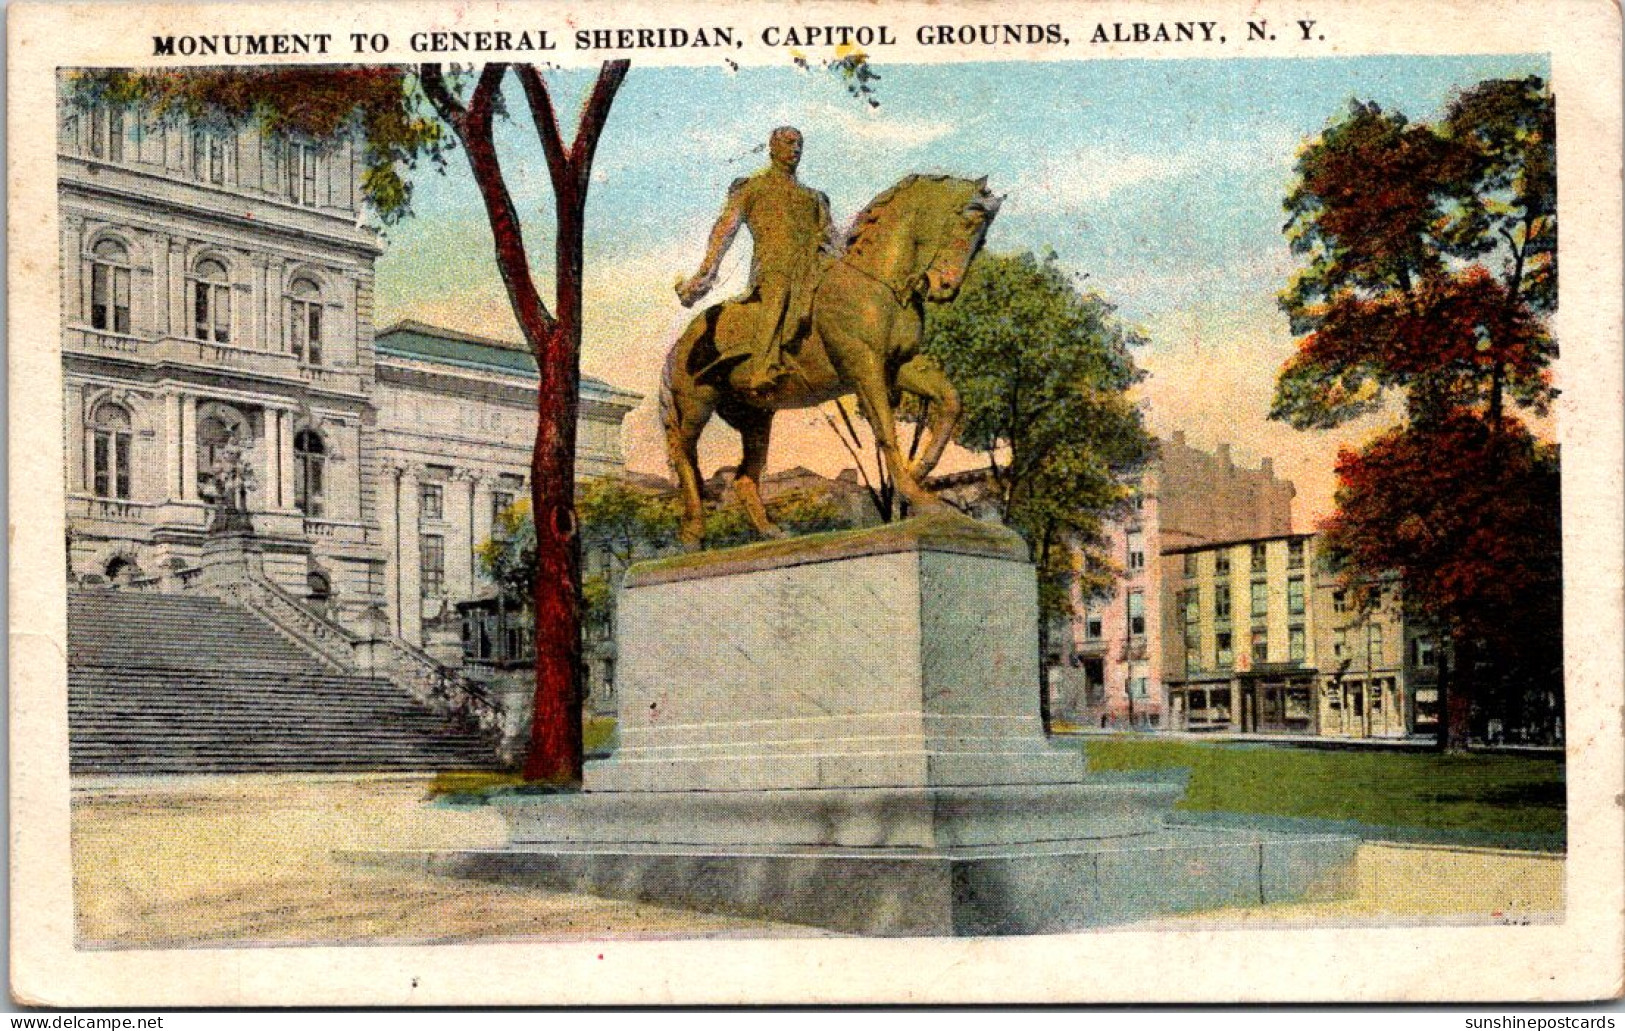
(679, 362)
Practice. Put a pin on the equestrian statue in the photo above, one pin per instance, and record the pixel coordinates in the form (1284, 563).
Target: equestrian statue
(820, 320)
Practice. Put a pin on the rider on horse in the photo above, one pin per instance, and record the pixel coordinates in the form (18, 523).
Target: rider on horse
(789, 228)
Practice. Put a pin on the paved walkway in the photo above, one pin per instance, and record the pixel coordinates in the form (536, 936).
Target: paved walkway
(246, 860)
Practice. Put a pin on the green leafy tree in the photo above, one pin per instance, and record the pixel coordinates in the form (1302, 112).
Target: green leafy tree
(1430, 273)
(1043, 369)
(625, 522)
(796, 512)
(508, 557)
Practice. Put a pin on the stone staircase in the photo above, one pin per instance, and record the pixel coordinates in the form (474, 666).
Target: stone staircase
(189, 683)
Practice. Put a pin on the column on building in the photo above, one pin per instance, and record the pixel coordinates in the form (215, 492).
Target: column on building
(73, 269)
(189, 447)
(284, 452)
(276, 270)
(172, 445)
(411, 558)
(480, 490)
(160, 287)
(388, 515)
(265, 309)
(74, 415)
(266, 466)
(461, 513)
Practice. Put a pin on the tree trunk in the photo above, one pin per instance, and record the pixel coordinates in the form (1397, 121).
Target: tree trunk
(1043, 637)
(1456, 695)
(556, 745)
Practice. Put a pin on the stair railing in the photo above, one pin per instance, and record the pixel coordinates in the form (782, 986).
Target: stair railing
(442, 689)
(331, 643)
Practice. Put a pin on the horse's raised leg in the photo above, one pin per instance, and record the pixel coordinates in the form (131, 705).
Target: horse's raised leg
(923, 377)
(755, 426)
(863, 369)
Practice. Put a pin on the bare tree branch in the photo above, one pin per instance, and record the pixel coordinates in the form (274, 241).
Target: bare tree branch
(546, 118)
(593, 115)
(432, 78)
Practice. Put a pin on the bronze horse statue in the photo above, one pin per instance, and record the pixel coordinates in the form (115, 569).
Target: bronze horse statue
(913, 243)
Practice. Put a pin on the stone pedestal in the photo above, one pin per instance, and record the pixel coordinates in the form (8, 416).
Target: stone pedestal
(229, 557)
(900, 657)
(843, 730)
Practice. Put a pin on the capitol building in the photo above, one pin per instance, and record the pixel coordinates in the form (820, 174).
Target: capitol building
(218, 301)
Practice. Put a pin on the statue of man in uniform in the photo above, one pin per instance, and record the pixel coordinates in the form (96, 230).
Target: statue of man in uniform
(789, 226)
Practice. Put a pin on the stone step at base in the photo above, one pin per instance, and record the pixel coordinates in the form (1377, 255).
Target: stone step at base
(1036, 889)
(920, 817)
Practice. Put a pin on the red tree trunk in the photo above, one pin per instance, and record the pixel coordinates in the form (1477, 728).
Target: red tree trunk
(556, 747)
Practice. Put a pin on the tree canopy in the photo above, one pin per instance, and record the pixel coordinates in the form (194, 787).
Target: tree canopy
(381, 104)
(1430, 260)
(1043, 369)
(1430, 273)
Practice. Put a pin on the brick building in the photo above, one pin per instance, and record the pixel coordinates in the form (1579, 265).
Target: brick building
(1109, 669)
(1259, 638)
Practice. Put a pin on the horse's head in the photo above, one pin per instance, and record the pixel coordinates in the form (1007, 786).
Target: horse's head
(951, 241)
(919, 236)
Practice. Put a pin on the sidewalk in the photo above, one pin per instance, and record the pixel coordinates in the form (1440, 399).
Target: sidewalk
(248, 861)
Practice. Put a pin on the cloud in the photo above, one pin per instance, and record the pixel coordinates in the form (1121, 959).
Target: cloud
(872, 125)
(1079, 180)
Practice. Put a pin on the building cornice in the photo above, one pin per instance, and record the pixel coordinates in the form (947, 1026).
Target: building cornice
(95, 179)
(481, 382)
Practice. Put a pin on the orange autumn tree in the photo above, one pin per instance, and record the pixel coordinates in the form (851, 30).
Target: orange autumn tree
(406, 115)
(1430, 274)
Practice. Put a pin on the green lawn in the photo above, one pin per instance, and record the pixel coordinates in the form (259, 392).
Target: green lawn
(1495, 794)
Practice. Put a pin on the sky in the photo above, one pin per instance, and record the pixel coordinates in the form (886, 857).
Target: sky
(1160, 182)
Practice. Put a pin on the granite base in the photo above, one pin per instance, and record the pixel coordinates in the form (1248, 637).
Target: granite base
(994, 890)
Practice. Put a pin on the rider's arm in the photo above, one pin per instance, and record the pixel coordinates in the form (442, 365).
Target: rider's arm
(722, 237)
(827, 233)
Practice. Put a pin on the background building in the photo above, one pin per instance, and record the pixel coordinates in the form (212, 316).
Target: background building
(217, 289)
(1108, 669)
(1259, 638)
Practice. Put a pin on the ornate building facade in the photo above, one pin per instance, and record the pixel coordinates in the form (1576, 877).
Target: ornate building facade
(217, 297)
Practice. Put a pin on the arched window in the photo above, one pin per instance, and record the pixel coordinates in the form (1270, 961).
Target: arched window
(309, 455)
(305, 321)
(110, 287)
(110, 451)
(211, 302)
